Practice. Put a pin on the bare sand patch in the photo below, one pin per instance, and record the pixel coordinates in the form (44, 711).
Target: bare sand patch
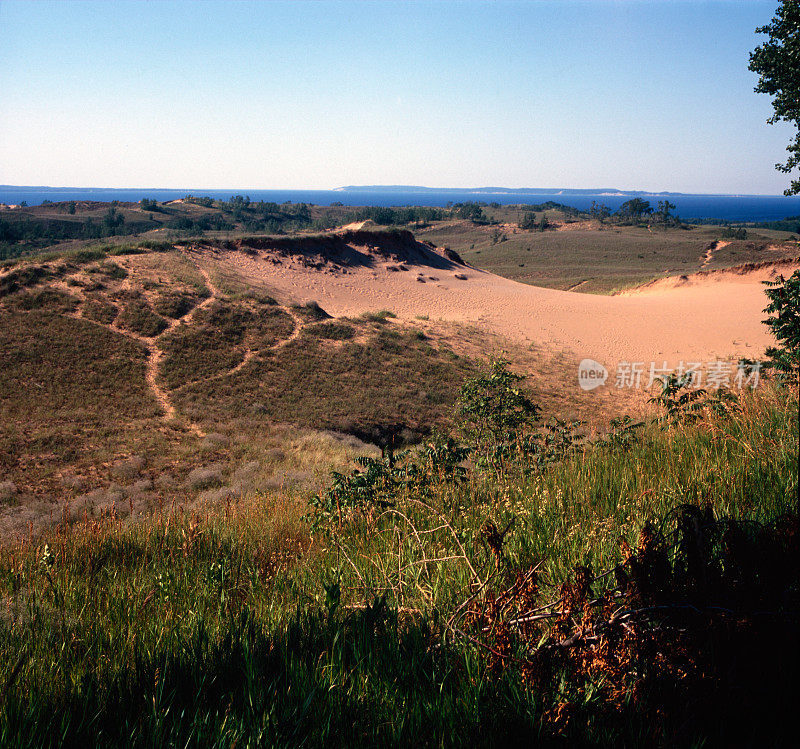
(706, 316)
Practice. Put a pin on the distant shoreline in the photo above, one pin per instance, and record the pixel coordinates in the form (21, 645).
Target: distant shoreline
(732, 208)
(564, 191)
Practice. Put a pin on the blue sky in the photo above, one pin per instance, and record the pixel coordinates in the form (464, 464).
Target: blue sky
(603, 93)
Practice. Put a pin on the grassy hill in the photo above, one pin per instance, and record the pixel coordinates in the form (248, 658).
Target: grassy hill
(589, 258)
(639, 591)
(574, 251)
(179, 566)
(135, 380)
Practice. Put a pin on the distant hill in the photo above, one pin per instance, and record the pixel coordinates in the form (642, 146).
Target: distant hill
(507, 190)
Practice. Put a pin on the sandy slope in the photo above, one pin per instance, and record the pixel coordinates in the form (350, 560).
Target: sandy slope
(709, 316)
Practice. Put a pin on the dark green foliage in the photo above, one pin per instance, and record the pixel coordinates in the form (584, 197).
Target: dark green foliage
(634, 209)
(375, 485)
(777, 63)
(205, 202)
(730, 232)
(528, 222)
(495, 412)
(385, 216)
(113, 221)
(471, 211)
(599, 211)
(138, 317)
(682, 402)
(150, 205)
(200, 224)
(664, 214)
(784, 322)
(378, 483)
(623, 434)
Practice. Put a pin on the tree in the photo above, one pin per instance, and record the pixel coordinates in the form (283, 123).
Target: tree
(777, 63)
(495, 412)
(664, 208)
(784, 322)
(635, 208)
(149, 205)
(599, 211)
(528, 222)
(113, 220)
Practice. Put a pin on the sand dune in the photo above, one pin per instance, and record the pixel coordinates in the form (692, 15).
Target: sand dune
(699, 318)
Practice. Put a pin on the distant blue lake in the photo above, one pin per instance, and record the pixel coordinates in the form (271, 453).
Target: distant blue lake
(726, 207)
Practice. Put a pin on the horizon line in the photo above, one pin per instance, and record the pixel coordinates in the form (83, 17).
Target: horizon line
(599, 191)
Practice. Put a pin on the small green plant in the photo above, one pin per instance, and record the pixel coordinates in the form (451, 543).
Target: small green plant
(372, 486)
(682, 402)
(495, 413)
(380, 316)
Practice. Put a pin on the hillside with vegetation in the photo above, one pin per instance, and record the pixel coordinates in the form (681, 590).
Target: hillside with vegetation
(547, 244)
(234, 515)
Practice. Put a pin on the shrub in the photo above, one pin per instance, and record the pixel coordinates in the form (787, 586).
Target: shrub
(493, 409)
(380, 316)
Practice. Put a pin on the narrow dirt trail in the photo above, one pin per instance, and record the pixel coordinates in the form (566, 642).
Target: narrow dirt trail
(578, 285)
(710, 250)
(298, 329)
(157, 354)
(251, 354)
(154, 352)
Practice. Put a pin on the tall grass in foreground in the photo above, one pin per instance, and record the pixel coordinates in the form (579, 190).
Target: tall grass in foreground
(245, 624)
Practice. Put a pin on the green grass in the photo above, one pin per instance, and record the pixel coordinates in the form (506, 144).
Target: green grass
(237, 624)
(596, 261)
